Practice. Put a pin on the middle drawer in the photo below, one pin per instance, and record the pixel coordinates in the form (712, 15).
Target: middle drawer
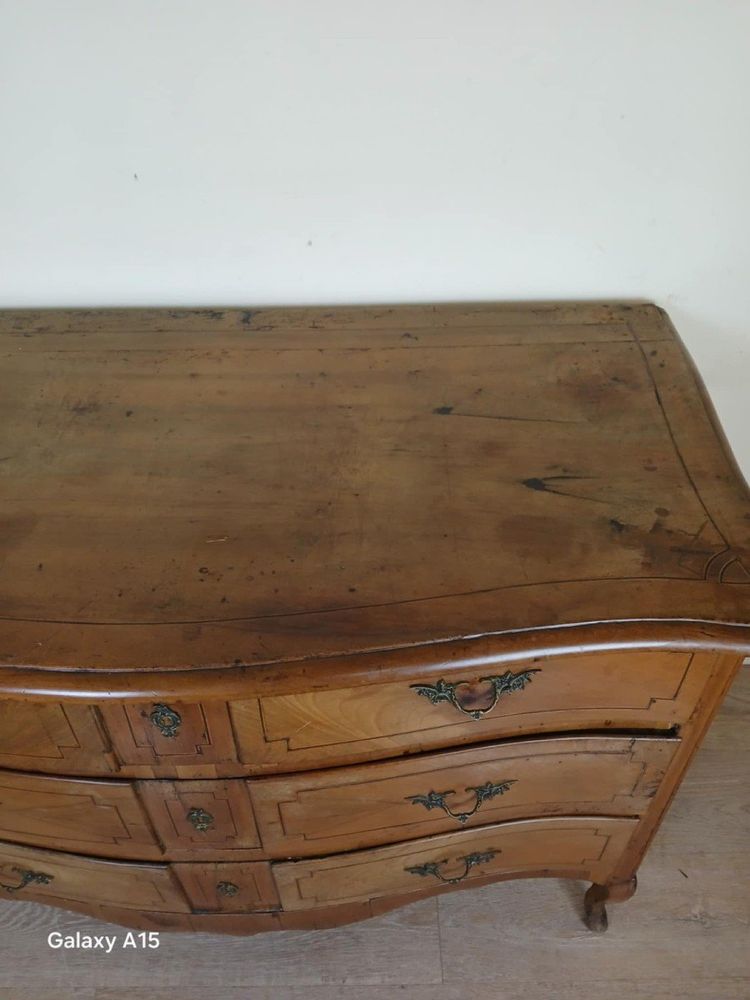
(347, 808)
(339, 809)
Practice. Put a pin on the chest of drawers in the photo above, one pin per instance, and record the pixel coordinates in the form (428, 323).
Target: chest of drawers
(307, 613)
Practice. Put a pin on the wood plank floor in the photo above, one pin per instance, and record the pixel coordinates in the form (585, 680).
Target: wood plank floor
(685, 934)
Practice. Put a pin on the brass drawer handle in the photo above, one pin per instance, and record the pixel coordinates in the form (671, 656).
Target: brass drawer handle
(482, 793)
(227, 888)
(469, 860)
(200, 819)
(505, 683)
(166, 720)
(28, 877)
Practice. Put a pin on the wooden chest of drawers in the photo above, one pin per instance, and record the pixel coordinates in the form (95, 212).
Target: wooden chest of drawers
(305, 614)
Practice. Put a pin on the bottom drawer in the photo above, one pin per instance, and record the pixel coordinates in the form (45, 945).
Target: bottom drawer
(576, 847)
(587, 847)
(57, 878)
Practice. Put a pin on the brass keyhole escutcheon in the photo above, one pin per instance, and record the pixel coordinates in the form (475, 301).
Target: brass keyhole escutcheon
(166, 720)
(200, 819)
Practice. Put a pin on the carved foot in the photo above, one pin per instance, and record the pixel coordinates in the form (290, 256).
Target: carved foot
(595, 911)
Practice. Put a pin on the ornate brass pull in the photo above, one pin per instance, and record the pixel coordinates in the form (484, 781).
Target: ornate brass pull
(27, 878)
(200, 819)
(227, 888)
(482, 793)
(469, 860)
(502, 684)
(166, 720)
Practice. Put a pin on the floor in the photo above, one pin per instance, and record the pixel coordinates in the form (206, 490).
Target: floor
(685, 934)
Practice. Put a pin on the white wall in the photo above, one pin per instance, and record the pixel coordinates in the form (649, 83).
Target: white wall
(289, 151)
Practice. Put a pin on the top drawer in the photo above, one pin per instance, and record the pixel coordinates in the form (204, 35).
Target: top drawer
(620, 690)
(345, 725)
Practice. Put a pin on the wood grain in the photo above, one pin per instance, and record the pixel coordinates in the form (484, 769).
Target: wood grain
(189, 488)
(103, 818)
(344, 809)
(228, 888)
(56, 738)
(344, 725)
(89, 881)
(202, 735)
(583, 847)
(197, 820)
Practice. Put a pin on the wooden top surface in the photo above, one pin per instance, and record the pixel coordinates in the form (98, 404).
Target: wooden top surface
(183, 488)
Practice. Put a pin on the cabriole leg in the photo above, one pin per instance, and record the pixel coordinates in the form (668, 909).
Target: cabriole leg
(597, 895)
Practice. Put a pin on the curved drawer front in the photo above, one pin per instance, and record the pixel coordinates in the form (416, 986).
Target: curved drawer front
(163, 737)
(59, 878)
(340, 809)
(150, 820)
(582, 847)
(203, 820)
(83, 816)
(595, 691)
(171, 738)
(53, 738)
(347, 808)
(55, 877)
(207, 739)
